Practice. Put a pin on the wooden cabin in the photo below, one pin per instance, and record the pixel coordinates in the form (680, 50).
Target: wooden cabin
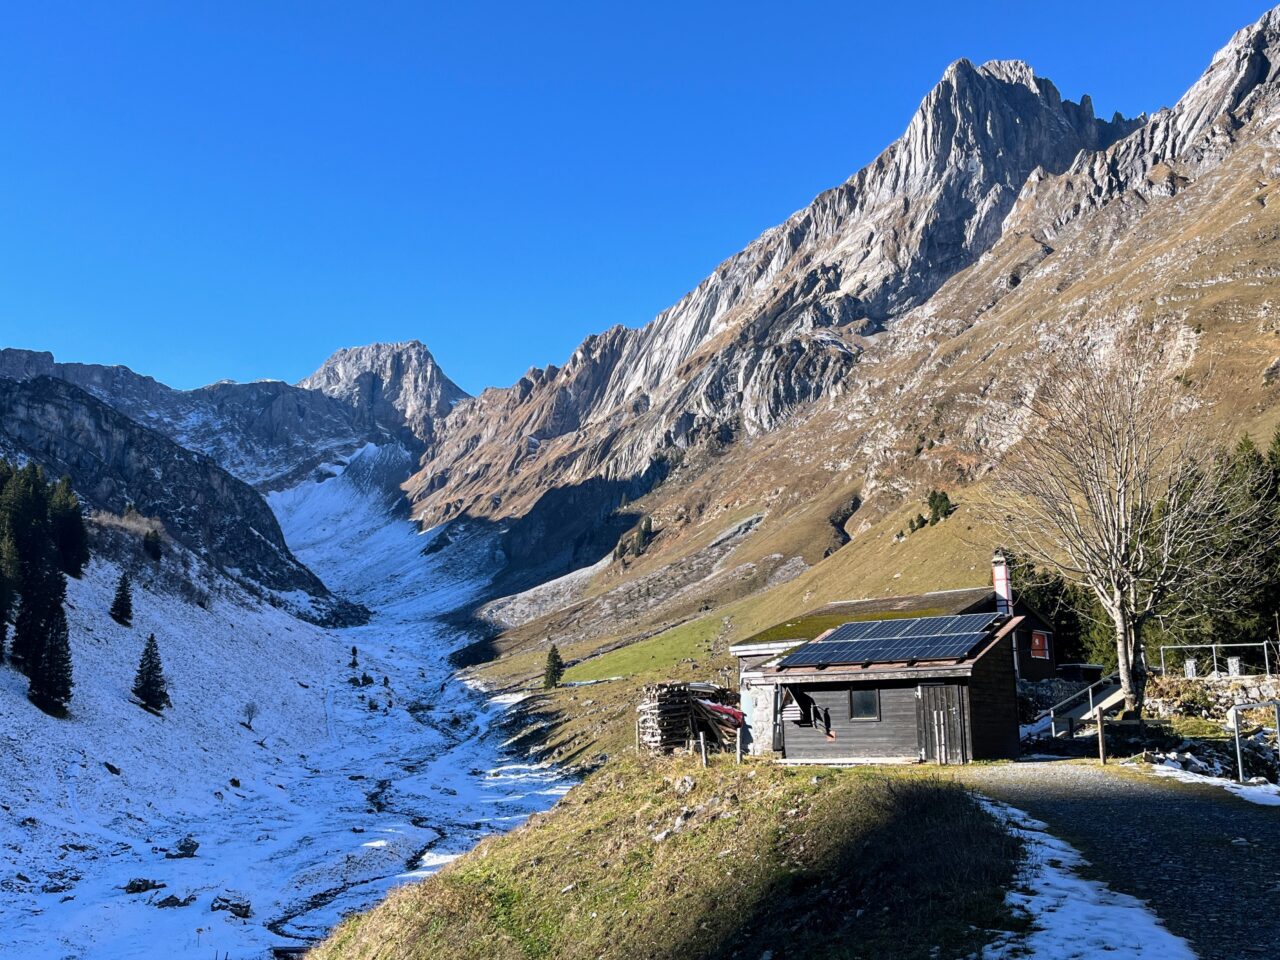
(930, 677)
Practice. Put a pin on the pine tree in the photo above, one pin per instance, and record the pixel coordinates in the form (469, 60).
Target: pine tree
(43, 590)
(67, 529)
(122, 605)
(149, 685)
(554, 670)
(939, 506)
(51, 682)
(9, 573)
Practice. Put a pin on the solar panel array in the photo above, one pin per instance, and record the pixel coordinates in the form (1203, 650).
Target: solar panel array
(897, 641)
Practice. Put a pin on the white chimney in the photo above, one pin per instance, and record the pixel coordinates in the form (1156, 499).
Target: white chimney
(1000, 580)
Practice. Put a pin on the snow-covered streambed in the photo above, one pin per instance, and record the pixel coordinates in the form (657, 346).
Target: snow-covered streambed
(339, 792)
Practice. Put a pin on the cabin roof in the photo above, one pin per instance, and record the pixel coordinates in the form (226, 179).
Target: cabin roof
(897, 640)
(812, 667)
(810, 625)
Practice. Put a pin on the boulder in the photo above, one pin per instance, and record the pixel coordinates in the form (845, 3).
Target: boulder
(142, 885)
(172, 900)
(236, 905)
(187, 848)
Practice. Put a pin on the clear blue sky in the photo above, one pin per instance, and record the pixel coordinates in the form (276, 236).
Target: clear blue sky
(209, 190)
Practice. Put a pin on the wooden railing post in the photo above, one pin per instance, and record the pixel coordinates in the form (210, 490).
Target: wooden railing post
(1102, 740)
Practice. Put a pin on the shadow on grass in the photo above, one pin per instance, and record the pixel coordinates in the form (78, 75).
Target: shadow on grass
(917, 871)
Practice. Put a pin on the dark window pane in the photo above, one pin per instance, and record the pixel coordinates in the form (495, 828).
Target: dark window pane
(864, 704)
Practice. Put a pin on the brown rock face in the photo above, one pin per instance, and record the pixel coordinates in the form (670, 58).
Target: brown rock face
(882, 333)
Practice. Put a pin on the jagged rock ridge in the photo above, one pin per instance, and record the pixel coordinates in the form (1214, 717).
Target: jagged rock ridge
(781, 324)
(268, 433)
(115, 461)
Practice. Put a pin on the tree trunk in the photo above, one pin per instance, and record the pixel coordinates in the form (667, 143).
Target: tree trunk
(1138, 670)
(1131, 662)
(1124, 664)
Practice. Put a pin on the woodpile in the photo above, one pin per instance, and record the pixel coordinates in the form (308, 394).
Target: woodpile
(672, 715)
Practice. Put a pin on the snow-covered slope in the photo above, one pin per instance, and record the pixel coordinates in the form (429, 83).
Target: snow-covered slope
(338, 793)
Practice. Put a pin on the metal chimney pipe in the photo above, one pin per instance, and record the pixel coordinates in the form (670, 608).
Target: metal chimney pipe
(1003, 588)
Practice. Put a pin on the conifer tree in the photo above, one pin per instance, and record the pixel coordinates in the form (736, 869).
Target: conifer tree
(9, 573)
(67, 529)
(122, 606)
(24, 509)
(51, 683)
(149, 685)
(554, 669)
(940, 506)
(43, 590)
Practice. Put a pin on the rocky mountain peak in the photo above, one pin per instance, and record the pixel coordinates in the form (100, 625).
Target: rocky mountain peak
(779, 325)
(1248, 63)
(393, 383)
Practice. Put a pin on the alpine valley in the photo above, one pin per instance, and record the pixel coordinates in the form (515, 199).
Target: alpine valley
(378, 562)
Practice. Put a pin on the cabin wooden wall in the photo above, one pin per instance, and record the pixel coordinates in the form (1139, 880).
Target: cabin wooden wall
(893, 736)
(993, 704)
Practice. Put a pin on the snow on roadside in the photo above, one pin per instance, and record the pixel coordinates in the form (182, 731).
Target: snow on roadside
(1263, 794)
(1074, 918)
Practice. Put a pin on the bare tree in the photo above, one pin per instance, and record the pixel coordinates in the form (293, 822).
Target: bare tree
(1119, 485)
(250, 714)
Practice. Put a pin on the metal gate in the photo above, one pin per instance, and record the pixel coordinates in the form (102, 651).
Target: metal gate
(940, 723)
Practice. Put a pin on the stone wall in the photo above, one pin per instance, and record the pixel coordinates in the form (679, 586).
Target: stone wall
(1207, 698)
(1035, 696)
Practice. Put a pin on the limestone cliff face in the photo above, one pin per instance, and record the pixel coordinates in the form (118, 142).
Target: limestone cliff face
(1169, 150)
(115, 461)
(780, 325)
(864, 311)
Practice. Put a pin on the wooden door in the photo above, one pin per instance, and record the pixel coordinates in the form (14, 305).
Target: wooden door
(940, 722)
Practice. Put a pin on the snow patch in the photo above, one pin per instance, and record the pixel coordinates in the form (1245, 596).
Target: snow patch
(1263, 794)
(1074, 918)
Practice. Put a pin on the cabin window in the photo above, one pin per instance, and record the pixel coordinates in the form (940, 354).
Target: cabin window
(864, 704)
(1040, 645)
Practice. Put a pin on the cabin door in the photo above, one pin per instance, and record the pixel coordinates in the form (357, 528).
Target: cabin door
(940, 722)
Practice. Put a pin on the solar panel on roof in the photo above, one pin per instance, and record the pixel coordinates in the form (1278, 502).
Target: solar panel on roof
(896, 641)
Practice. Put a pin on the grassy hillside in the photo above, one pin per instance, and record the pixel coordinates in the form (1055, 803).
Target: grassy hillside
(581, 722)
(663, 859)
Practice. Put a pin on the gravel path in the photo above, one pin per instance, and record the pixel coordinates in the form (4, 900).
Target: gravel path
(1207, 863)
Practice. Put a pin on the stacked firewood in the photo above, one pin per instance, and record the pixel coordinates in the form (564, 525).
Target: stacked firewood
(665, 720)
(671, 715)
